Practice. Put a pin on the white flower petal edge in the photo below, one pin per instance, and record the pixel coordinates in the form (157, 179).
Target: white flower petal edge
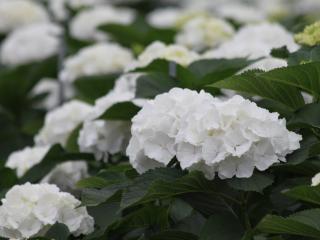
(315, 180)
(60, 122)
(29, 210)
(230, 138)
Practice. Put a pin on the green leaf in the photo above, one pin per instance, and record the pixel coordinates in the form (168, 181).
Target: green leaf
(58, 232)
(179, 210)
(152, 84)
(305, 223)
(305, 193)
(209, 71)
(174, 235)
(92, 182)
(253, 82)
(304, 55)
(121, 111)
(72, 141)
(307, 116)
(92, 87)
(222, 226)
(281, 52)
(256, 183)
(8, 178)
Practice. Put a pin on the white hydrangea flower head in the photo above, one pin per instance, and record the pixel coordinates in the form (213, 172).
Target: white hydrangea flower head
(52, 89)
(32, 43)
(204, 32)
(254, 41)
(103, 138)
(158, 50)
(241, 13)
(23, 160)
(84, 25)
(29, 210)
(315, 180)
(60, 122)
(67, 174)
(18, 13)
(98, 59)
(230, 138)
(164, 17)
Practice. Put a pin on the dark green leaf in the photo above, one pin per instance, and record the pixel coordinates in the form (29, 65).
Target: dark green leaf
(256, 183)
(305, 193)
(121, 111)
(281, 52)
(174, 235)
(305, 55)
(58, 232)
(307, 116)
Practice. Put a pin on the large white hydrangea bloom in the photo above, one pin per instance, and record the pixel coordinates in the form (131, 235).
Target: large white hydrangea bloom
(84, 25)
(158, 50)
(230, 138)
(102, 58)
(59, 8)
(17, 13)
(25, 159)
(29, 210)
(254, 41)
(204, 32)
(102, 137)
(60, 122)
(31, 43)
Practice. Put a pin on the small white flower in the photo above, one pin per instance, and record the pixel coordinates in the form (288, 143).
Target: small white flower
(18, 13)
(102, 58)
(254, 41)
(29, 210)
(315, 180)
(204, 32)
(230, 138)
(109, 137)
(84, 25)
(31, 43)
(25, 159)
(60, 122)
(158, 50)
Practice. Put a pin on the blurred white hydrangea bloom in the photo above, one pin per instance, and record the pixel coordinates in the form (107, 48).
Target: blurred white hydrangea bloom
(254, 41)
(241, 13)
(26, 158)
(164, 17)
(102, 137)
(32, 43)
(315, 180)
(98, 59)
(51, 88)
(60, 122)
(29, 210)
(84, 25)
(230, 138)
(204, 32)
(18, 13)
(158, 50)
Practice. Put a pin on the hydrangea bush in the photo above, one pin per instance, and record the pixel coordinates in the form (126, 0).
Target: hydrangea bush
(159, 120)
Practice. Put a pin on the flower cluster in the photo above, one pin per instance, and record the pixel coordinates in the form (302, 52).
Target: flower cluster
(204, 32)
(310, 35)
(102, 137)
(159, 50)
(102, 58)
(84, 25)
(254, 41)
(29, 210)
(230, 138)
(60, 122)
(22, 45)
(18, 13)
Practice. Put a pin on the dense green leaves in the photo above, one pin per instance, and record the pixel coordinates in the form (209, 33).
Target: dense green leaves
(305, 223)
(307, 116)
